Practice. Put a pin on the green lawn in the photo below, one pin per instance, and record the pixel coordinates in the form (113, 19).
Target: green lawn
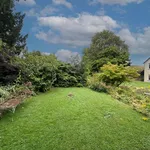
(138, 84)
(89, 121)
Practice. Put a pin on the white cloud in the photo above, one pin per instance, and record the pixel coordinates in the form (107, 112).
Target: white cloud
(113, 2)
(31, 13)
(139, 43)
(74, 31)
(48, 10)
(78, 31)
(37, 12)
(27, 2)
(65, 55)
(62, 2)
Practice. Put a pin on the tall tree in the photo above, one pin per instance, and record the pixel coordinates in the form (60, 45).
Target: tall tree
(12, 42)
(11, 24)
(105, 47)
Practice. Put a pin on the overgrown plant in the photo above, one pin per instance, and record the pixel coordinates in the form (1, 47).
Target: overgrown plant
(69, 76)
(4, 94)
(115, 75)
(136, 97)
(94, 83)
(38, 69)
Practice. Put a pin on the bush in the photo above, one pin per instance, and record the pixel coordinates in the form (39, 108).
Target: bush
(45, 71)
(3, 94)
(115, 75)
(95, 84)
(38, 69)
(15, 91)
(140, 70)
(68, 76)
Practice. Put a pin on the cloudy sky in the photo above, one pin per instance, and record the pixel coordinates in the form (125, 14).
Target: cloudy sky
(65, 27)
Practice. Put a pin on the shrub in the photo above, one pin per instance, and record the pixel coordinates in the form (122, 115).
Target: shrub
(95, 84)
(140, 70)
(68, 76)
(115, 75)
(45, 71)
(38, 69)
(15, 91)
(3, 94)
(133, 96)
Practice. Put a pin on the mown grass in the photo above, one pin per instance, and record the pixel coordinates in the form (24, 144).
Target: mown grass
(88, 121)
(138, 84)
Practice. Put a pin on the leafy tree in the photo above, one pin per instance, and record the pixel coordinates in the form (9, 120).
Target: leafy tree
(105, 47)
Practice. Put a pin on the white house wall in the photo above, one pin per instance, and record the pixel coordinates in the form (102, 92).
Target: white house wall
(146, 71)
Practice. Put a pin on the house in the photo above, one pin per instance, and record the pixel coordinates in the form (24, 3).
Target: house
(147, 70)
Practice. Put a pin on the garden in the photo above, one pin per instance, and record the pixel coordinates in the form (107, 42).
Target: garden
(98, 101)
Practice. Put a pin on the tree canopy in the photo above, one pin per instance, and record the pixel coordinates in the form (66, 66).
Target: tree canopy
(105, 47)
(11, 24)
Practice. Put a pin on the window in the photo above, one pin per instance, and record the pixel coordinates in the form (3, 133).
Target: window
(149, 65)
(149, 77)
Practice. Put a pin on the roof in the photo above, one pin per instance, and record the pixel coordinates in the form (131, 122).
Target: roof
(146, 60)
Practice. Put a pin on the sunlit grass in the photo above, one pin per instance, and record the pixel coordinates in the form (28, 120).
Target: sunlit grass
(138, 84)
(87, 121)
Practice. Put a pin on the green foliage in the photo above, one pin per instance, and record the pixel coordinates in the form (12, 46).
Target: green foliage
(16, 90)
(8, 71)
(3, 94)
(105, 47)
(69, 76)
(136, 97)
(115, 75)
(137, 84)
(131, 95)
(94, 83)
(45, 71)
(38, 69)
(140, 71)
(12, 42)
(11, 23)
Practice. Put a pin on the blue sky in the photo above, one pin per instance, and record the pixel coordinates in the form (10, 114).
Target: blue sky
(65, 27)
